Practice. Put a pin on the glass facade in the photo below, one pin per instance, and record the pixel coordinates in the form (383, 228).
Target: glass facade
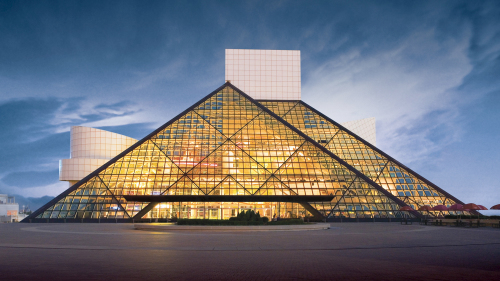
(230, 145)
(386, 172)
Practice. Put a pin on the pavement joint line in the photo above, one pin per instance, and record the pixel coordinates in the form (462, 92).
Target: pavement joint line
(383, 251)
(133, 232)
(234, 228)
(170, 232)
(337, 231)
(214, 249)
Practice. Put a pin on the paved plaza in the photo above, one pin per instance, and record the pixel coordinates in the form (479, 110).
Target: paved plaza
(347, 251)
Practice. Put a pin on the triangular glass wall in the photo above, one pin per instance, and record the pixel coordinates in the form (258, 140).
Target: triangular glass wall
(225, 144)
(407, 185)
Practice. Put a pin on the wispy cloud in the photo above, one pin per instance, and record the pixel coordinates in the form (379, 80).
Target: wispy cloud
(142, 80)
(85, 112)
(52, 189)
(401, 87)
(35, 135)
(118, 121)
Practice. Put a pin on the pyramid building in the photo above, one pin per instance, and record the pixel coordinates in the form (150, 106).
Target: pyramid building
(231, 152)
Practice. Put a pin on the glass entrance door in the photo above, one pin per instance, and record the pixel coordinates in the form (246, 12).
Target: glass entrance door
(213, 214)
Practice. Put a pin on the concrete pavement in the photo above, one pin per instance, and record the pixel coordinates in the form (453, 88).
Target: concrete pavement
(347, 251)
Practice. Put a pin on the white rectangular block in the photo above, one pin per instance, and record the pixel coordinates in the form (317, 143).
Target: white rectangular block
(265, 74)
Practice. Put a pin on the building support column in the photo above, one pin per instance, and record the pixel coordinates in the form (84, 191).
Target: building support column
(316, 214)
(144, 211)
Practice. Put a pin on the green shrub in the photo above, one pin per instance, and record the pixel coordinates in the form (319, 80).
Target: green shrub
(263, 220)
(249, 215)
(244, 218)
(216, 222)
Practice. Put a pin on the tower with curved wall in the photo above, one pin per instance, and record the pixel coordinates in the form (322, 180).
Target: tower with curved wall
(90, 149)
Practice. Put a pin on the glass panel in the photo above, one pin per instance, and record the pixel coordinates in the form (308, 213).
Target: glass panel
(228, 145)
(362, 157)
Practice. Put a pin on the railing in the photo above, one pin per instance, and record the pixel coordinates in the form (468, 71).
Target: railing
(462, 222)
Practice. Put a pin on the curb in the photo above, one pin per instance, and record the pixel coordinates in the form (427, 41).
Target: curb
(172, 227)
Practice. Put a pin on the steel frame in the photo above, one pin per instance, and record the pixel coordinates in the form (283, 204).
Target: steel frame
(278, 118)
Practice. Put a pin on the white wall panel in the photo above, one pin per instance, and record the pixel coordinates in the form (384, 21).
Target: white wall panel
(265, 74)
(97, 144)
(90, 149)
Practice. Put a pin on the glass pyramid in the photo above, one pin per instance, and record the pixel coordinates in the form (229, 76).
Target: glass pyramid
(387, 172)
(229, 153)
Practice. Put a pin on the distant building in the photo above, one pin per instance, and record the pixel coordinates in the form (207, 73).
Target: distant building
(9, 209)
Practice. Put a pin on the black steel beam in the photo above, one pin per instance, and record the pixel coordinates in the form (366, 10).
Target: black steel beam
(125, 152)
(145, 210)
(387, 156)
(328, 152)
(316, 214)
(229, 198)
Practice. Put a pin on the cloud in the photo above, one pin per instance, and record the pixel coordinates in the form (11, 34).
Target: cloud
(31, 178)
(411, 83)
(136, 131)
(25, 120)
(53, 189)
(38, 155)
(142, 80)
(117, 121)
(35, 136)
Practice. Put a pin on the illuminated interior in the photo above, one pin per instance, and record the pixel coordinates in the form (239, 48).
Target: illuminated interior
(405, 185)
(231, 145)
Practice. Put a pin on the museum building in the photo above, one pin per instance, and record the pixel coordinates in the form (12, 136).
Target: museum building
(250, 144)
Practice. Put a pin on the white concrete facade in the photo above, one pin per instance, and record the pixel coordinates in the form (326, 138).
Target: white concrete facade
(90, 149)
(265, 74)
(365, 128)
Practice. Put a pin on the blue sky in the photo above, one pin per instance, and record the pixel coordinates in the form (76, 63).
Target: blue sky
(428, 71)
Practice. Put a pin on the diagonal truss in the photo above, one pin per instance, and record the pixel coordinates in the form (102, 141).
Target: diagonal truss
(327, 152)
(398, 179)
(198, 149)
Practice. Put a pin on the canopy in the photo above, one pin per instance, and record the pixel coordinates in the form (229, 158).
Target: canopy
(496, 207)
(440, 208)
(471, 206)
(456, 207)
